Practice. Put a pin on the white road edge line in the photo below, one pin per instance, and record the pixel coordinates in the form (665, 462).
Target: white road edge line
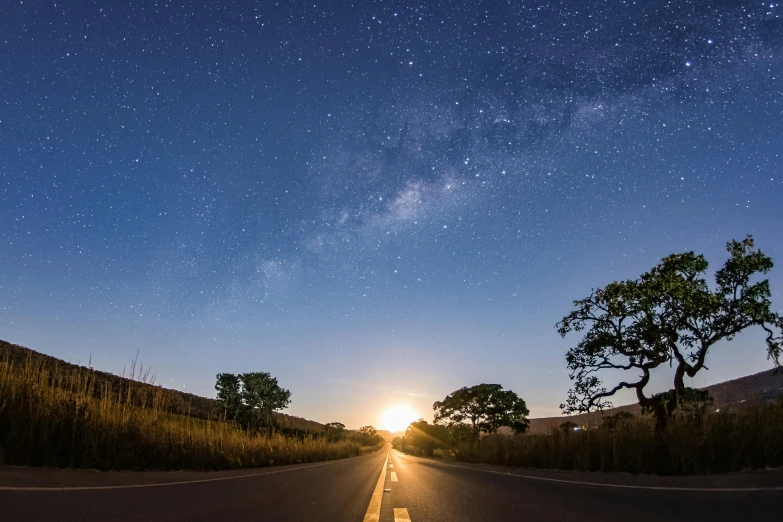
(620, 486)
(401, 515)
(373, 513)
(625, 486)
(393, 477)
(157, 484)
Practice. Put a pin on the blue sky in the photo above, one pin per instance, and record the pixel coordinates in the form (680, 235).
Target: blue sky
(377, 203)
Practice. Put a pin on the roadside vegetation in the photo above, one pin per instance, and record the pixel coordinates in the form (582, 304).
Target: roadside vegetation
(744, 439)
(667, 318)
(143, 382)
(64, 416)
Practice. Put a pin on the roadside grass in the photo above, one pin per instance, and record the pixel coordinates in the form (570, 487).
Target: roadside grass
(143, 382)
(59, 417)
(747, 439)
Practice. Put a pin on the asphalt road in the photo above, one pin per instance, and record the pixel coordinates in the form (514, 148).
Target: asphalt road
(355, 490)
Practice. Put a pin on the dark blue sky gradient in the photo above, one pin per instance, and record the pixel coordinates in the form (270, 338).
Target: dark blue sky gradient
(377, 203)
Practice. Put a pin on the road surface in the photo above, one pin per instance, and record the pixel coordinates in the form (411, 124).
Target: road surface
(385, 486)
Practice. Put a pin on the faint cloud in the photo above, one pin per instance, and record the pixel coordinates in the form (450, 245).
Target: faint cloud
(418, 200)
(277, 274)
(415, 206)
(272, 270)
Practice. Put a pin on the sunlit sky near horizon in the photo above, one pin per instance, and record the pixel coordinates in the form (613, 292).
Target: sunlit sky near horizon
(378, 203)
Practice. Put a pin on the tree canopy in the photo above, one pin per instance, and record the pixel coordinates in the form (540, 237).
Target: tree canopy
(486, 407)
(368, 436)
(668, 316)
(368, 430)
(229, 395)
(334, 431)
(251, 398)
(425, 438)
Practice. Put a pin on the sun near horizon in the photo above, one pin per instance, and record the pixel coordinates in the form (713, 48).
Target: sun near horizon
(397, 417)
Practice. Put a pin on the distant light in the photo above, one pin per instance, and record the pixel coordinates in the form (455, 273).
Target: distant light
(576, 428)
(397, 417)
(717, 410)
(688, 64)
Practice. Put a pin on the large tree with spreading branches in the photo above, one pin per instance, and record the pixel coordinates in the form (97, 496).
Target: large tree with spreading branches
(251, 398)
(669, 316)
(485, 407)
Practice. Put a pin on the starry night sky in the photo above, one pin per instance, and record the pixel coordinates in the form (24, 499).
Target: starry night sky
(377, 203)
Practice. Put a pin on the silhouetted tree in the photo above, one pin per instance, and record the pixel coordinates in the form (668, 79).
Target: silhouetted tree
(612, 422)
(667, 316)
(426, 438)
(486, 407)
(692, 402)
(262, 395)
(368, 436)
(335, 431)
(229, 395)
(368, 430)
(568, 426)
(458, 433)
(251, 398)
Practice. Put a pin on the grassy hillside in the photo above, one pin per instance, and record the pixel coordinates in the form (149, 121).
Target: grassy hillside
(177, 401)
(62, 415)
(765, 386)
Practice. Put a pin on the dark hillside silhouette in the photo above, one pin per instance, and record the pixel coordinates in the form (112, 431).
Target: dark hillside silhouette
(764, 386)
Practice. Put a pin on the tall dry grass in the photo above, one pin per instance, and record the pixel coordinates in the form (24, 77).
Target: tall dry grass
(750, 438)
(59, 417)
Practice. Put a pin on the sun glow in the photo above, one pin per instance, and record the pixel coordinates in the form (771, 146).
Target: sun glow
(397, 417)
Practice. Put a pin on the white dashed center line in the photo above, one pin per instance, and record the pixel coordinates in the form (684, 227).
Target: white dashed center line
(401, 515)
(393, 477)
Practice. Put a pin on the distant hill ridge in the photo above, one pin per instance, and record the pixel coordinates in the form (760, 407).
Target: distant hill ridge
(386, 434)
(184, 403)
(762, 386)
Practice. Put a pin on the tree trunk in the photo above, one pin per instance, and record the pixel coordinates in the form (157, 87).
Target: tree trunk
(679, 388)
(657, 407)
(661, 418)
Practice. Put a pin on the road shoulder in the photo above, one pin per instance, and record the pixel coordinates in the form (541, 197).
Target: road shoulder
(21, 477)
(744, 479)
